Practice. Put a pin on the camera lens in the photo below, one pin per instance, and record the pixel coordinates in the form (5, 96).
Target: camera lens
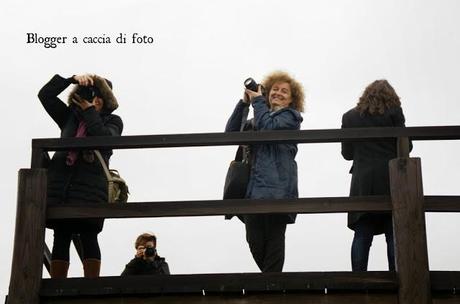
(87, 93)
(251, 84)
(149, 251)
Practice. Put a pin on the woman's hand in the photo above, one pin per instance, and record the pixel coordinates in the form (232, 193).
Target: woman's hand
(251, 94)
(246, 98)
(84, 80)
(82, 103)
(140, 251)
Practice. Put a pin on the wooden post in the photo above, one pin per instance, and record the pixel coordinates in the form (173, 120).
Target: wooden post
(29, 238)
(41, 159)
(403, 147)
(409, 231)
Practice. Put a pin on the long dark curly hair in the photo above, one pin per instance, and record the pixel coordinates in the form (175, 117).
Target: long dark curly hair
(377, 97)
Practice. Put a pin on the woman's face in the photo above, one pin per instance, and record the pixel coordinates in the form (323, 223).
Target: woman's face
(280, 95)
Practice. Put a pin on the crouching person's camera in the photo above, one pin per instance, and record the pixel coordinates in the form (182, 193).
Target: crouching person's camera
(150, 252)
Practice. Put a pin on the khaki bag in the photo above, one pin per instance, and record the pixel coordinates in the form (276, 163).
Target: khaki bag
(117, 188)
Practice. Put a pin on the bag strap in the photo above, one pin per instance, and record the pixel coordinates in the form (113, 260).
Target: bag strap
(104, 165)
(240, 153)
(244, 117)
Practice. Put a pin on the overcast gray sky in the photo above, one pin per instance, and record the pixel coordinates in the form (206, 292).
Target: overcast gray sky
(188, 81)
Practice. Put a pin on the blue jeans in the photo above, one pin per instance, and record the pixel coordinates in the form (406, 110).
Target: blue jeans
(365, 229)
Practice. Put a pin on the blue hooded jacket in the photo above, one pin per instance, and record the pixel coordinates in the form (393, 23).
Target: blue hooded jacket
(274, 169)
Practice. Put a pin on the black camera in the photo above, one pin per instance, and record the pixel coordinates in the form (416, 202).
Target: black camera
(252, 85)
(87, 92)
(150, 252)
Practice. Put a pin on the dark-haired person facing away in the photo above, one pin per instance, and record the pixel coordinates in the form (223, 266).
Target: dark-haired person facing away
(274, 169)
(77, 176)
(146, 261)
(379, 106)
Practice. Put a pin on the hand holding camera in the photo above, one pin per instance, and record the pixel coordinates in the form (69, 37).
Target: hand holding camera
(81, 102)
(84, 80)
(84, 96)
(146, 252)
(253, 89)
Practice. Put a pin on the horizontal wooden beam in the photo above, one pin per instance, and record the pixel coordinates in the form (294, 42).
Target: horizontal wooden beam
(219, 207)
(242, 206)
(265, 298)
(235, 138)
(445, 281)
(377, 281)
(442, 203)
(222, 283)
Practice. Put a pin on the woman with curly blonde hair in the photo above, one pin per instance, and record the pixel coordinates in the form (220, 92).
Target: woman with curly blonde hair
(274, 169)
(379, 106)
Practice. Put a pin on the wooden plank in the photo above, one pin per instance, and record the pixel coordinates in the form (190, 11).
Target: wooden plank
(403, 147)
(228, 288)
(409, 231)
(235, 138)
(268, 298)
(221, 283)
(444, 203)
(220, 207)
(29, 238)
(445, 281)
(41, 159)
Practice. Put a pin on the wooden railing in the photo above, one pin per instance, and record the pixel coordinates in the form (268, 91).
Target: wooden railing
(412, 280)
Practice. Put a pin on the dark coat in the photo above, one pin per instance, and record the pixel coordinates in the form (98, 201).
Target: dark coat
(274, 169)
(370, 171)
(139, 266)
(84, 181)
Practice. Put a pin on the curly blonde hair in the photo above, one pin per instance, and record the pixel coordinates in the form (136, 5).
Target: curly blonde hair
(297, 93)
(377, 97)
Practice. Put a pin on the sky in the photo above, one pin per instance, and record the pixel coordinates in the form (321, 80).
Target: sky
(189, 79)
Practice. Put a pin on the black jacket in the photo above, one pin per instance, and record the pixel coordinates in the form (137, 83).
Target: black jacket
(84, 181)
(370, 171)
(139, 266)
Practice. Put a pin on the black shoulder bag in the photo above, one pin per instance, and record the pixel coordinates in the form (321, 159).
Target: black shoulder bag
(237, 179)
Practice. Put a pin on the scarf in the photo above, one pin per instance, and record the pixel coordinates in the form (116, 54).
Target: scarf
(72, 155)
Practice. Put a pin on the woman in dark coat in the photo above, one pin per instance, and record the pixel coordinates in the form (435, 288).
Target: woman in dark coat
(146, 261)
(274, 170)
(77, 176)
(379, 106)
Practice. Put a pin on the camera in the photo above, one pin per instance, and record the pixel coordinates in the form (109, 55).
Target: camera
(87, 92)
(150, 252)
(252, 85)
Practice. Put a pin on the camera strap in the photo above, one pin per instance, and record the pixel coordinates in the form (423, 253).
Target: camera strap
(244, 117)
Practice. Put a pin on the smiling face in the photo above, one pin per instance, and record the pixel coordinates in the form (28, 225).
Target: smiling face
(280, 95)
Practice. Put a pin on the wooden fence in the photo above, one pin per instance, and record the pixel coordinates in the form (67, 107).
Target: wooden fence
(411, 283)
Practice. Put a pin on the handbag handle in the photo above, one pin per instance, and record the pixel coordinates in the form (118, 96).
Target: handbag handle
(104, 165)
(244, 117)
(240, 153)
